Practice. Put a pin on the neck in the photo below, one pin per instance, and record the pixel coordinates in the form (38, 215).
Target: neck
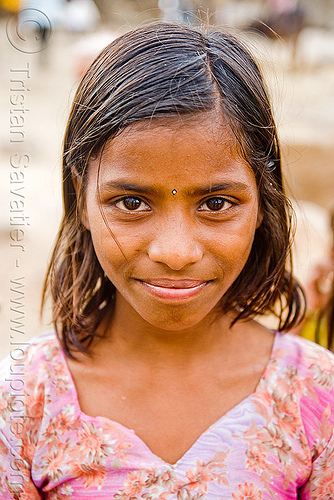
(129, 335)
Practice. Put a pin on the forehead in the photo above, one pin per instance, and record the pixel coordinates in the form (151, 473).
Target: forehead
(189, 150)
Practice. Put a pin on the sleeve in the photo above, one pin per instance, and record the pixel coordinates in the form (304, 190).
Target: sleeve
(319, 424)
(15, 477)
(18, 434)
(320, 484)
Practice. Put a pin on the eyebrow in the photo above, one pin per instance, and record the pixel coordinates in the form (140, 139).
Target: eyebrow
(125, 186)
(224, 186)
(200, 191)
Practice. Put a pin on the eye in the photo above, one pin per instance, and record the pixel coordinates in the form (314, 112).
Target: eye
(216, 204)
(132, 203)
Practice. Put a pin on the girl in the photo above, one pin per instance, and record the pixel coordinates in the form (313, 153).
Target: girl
(158, 383)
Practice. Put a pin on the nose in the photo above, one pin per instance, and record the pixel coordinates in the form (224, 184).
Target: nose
(174, 244)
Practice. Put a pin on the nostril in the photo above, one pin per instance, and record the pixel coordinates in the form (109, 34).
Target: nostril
(175, 255)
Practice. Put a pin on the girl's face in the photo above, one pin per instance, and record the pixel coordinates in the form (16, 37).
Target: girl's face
(172, 210)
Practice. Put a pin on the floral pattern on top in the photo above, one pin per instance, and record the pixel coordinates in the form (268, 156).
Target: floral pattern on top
(278, 443)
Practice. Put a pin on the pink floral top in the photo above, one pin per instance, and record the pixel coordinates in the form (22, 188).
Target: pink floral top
(276, 444)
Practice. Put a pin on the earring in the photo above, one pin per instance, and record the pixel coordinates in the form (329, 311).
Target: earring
(174, 192)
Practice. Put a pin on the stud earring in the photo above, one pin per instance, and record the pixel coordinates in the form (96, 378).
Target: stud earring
(174, 192)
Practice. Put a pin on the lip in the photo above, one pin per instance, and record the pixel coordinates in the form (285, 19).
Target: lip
(174, 289)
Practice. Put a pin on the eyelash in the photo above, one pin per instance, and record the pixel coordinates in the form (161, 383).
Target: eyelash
(220, 198)
(131, 198)
(147, 208)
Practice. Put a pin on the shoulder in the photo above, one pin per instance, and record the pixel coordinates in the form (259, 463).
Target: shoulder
(39, 366)
(302, 359)
(305, 374)
(28, 381)
(306, 356)
(21, 351)
(26, 359)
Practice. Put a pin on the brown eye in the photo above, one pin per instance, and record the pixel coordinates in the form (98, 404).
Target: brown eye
(216, 204)
(132, 204)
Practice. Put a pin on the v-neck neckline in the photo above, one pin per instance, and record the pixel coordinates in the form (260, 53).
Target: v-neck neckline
(141, 442)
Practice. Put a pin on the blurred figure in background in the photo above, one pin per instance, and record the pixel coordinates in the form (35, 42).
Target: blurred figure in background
(279, 7)
(330, 305)
(285, 19)
(40, 17)
(188, 11)
(314, 252)
(319, 323)
(81, 16)
(170, 10)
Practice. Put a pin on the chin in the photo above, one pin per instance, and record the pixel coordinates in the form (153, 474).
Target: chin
(178, 321)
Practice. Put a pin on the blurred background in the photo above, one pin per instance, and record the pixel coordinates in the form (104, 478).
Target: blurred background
(45, 47)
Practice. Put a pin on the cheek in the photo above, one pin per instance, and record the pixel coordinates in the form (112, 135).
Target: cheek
(105, 243)
(232, 248)
(117, 248)
(112, 261)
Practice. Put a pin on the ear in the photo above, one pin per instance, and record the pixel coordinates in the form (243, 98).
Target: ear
(81, 203)
(259, 219)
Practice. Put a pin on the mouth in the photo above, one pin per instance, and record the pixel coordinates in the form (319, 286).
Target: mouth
(174, 289)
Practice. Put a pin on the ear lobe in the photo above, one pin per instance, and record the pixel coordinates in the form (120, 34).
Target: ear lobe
(259, 219)
(81, 204)
(83, 217)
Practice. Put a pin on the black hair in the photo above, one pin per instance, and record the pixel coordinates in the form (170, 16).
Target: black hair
(166, 70)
